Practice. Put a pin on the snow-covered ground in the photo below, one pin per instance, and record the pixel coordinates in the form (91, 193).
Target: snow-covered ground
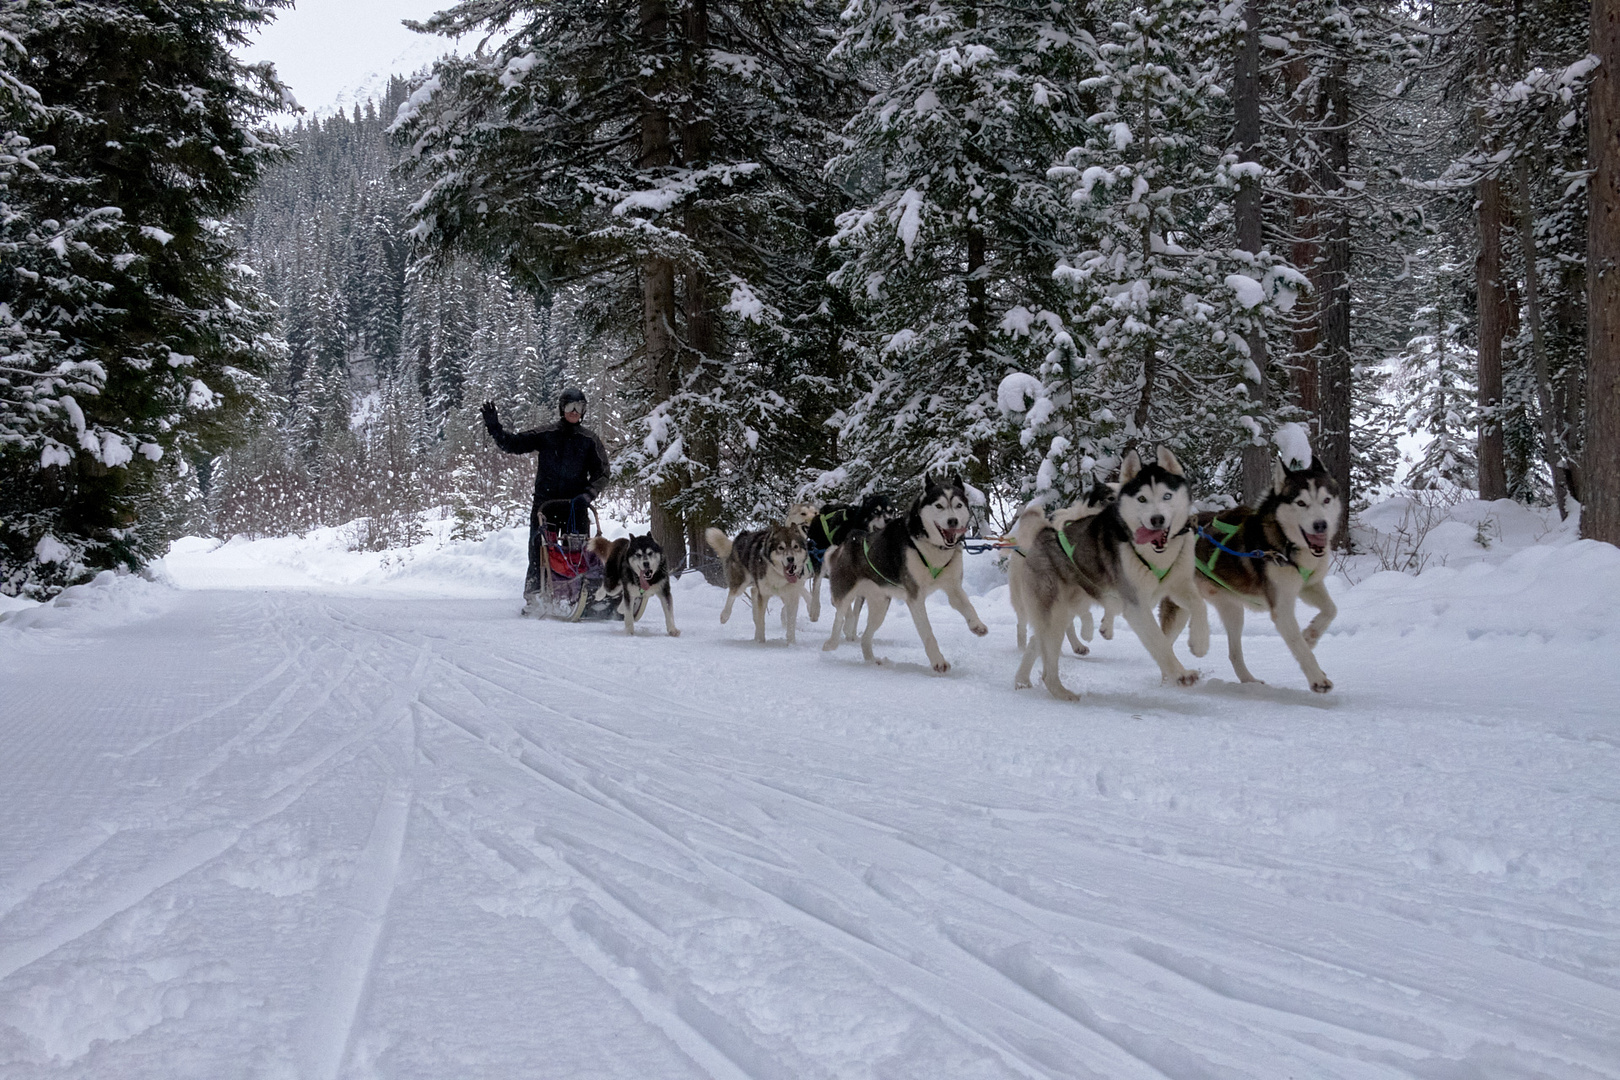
(292, 811)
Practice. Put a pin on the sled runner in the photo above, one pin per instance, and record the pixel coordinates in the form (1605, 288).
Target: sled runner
(570, 583)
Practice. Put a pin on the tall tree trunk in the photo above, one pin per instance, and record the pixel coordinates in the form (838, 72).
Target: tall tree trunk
(1336, 369)
(1492, 302)
(658, 297)
(1600, 516)
(1493, 317)
(1250, 237)
(1304, 250)
(1551, 445)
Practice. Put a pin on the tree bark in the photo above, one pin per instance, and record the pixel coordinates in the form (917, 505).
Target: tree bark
(1336, 367)
(1493, 316)
(1250, 237)
(1304, 251)
(1600, 516)
(658, 296)
(1551, 444)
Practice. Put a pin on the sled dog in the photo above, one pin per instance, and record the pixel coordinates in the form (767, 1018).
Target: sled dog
(1130, 554)
(633, 571)
(1091, 503)
(771, 564)
(831, 526)
(1267, 558)
(907, 559)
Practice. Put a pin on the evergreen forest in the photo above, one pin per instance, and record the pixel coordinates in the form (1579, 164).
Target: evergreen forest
(798, 251)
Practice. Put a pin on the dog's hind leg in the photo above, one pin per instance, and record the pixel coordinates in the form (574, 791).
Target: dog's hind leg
(840, 609)
(1316, 595)
(725, 612)
(1088, 629)
(1147, 630)
(1049, 634)
(815, 594)
(1027, 664)
(874, 619)
(852, 620)
(1231, 613)
(1074, 639)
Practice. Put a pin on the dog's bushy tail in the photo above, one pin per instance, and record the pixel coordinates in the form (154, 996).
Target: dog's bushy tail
(601, 547)
(1029, 525)
(717, 540)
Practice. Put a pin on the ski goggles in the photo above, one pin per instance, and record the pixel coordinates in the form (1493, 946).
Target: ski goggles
(574, 408)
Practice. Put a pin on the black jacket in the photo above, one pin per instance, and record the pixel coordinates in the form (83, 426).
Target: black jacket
(572, 460)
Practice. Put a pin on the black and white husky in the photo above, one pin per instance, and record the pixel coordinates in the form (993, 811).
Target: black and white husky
(832, 525)
(1127, 557)
(770, 563)
(1267, 558)
(635, 570)
(908, 559)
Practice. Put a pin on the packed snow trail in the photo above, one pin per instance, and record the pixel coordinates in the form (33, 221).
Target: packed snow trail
(305, 834)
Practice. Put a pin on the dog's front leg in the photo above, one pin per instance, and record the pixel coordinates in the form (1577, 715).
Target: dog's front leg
(840, 610)
(1088, 629)
(1316, 595)
(790, 613)
(668, 601)
(628, 607)
(759, 613)
(814, 606)
(959, 600)
(925, 630)
(1287, 624)
(1074, 639)
(1231, 612)
(1146, 626)
(852, 620)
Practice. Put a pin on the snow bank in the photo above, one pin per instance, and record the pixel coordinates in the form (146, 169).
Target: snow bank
(107, 600)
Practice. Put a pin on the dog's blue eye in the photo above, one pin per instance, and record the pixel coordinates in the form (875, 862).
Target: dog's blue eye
(1167, 495)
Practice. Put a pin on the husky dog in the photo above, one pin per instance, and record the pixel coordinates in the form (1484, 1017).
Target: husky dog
(801, 514)
(769, 562)
(635, 570)
(1091, 503)
(1132, 553)
(831, 526)
(1267, 558)
(909, 558)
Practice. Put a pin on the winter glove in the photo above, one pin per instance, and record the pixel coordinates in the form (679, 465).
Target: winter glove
(492, 420)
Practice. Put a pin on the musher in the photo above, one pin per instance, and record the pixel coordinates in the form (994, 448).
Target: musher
(572, 468)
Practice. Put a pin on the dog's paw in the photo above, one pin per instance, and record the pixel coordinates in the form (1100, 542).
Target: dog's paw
(882, 661)
(1322, 685)
(979, 629)
(1199, 648)
(1187, 678)
(942, 667)
(829, 646)
(674, 632)
(1311, 635)
(1251, 679)
(1062, 693)
(1021, 684)
(725, 616)
(1081, 650)
(1107, 633)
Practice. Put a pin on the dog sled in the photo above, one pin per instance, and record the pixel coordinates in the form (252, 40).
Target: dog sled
(568, 580)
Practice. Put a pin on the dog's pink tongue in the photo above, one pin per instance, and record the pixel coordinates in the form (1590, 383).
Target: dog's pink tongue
(646, 582)
(1318, 541)
(1152, 536)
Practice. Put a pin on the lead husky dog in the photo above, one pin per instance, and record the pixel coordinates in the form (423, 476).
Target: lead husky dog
(635, 570)
(770, 563)
(907, 559)
(1131, 554)
(1267, 558)
(1091, 503)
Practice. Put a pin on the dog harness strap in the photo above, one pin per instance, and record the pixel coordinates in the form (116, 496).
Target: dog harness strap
(1068, 548)
(1160, 574)
(928, 564)
(866, 549)
(826, 526)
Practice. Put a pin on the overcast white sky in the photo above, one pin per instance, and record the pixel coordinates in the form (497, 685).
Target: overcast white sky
(327, 50)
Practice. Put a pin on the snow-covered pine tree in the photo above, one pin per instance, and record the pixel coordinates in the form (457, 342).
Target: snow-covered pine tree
(1437, 375)
(131, 332)
(949, 249)
(637, 148)
(1165, 303)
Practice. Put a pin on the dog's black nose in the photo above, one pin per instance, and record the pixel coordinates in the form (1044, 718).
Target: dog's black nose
(1319, 526)
(1157, 521)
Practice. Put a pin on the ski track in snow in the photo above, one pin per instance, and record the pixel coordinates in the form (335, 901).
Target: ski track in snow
(301, 835)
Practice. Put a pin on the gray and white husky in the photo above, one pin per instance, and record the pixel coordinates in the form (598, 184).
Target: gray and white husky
(1087, 505)
(771, 564)
(1130, 555)
(1267, 558)
(908, 559)
(633, 571)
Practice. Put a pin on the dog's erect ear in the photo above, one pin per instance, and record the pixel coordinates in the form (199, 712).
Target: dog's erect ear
(1279, 477)
(1129, 467)
(1168, 462)
(955, 480)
